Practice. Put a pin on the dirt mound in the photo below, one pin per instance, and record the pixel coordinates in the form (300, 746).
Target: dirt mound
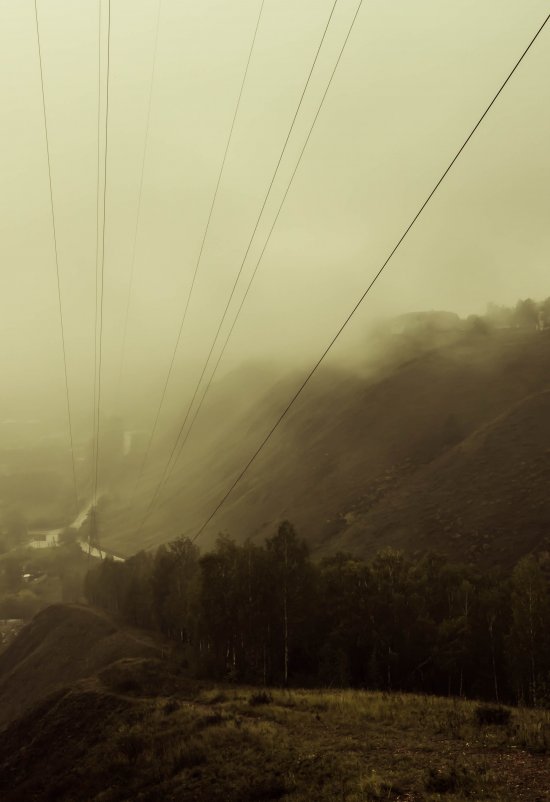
(61, 645)
(47, 753)
(145, 677)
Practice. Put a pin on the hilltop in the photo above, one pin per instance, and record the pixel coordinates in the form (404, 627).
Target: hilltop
(60, 646)
(136, 728)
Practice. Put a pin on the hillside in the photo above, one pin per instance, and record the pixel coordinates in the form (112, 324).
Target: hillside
(61, 645)
(418, 451)
(485, 498)
(427, 440)
(137, 730)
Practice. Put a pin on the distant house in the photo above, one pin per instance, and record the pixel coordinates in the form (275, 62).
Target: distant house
(43, 540)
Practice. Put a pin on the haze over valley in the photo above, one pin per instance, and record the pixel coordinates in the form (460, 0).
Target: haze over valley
(274, 401)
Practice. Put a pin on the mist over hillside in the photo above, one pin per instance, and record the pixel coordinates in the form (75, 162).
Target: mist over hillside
(430, 432)
(433, 438)
(274, 425)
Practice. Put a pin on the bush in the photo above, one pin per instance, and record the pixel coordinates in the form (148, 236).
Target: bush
(260, 698)
(492, 715)
(478, 325)
(211, 720)
(170, 707)
(188, 756)
(535, 737)
(450, 780)
(67, 536)
(24, 604)
(131, 744)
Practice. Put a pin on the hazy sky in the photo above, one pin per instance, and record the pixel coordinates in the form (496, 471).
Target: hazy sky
(414, 78)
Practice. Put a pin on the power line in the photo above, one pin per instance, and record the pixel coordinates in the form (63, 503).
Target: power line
(54, 230)
(102, 261)
(224, 315)
(201, 250)
(92, 527)
(97, 230)
(140, 194)
(369, 287)
(252, 277)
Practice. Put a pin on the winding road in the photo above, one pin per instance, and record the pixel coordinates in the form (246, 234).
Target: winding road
(49, 538)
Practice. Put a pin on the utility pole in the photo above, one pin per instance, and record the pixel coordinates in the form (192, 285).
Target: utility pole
(93, 537)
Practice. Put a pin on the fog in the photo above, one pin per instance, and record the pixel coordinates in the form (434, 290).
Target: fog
(413, 80)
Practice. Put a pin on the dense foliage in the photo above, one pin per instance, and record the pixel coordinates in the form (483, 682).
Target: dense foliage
(268, 614)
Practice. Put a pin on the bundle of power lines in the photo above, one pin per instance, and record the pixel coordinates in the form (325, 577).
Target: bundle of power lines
(208, 371)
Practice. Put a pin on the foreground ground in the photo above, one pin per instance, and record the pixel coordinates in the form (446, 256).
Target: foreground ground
(104, 743)
(93, 711)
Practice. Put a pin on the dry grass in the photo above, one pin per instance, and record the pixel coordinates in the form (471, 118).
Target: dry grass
(348, 746)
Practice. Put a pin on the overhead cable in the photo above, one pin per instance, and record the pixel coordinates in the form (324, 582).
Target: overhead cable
(266, 243)
(102, 257)
(54, 231)
(345, 323)
(140, 195)
(167, 467)
(201, 250)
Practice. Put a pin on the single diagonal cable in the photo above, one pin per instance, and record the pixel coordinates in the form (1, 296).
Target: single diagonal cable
(97, 238)
(368, 289)
(54, 230)
(102, 261)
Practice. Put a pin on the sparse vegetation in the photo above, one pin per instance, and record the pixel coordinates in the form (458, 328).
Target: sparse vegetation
(216, 712)
(325, 745)
(492, 714)
(260, 698)
(31, 579)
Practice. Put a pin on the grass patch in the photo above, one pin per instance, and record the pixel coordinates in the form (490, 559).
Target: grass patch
(188, 755)
(344, 746)
(260, 698)
(170, 706)
(130, 744)
(492, 715)
(455, 779)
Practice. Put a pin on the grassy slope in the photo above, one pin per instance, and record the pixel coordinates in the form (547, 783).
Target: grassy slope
(213, 745)
(486, 498)
(115, 720)
(358, 454)
(61, 645)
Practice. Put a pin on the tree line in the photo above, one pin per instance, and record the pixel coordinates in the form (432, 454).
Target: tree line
(527, 313)
(268, 614)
